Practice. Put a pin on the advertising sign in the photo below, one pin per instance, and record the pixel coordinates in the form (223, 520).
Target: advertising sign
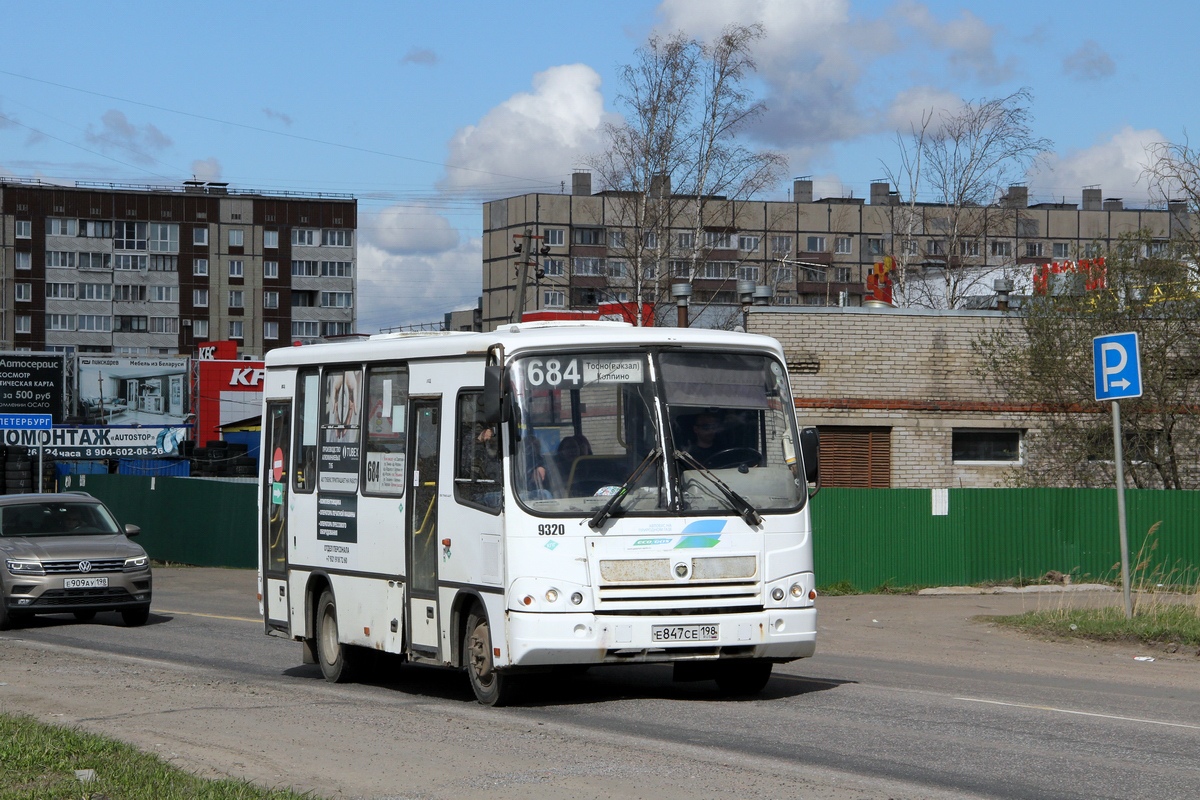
(99, 442)
(227, 391)
(32, 383)
(132, 390)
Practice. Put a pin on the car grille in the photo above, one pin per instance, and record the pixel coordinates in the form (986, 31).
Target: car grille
(116, 595)
(71, 565)
(727, 582)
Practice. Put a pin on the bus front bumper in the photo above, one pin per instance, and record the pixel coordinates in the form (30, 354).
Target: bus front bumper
(538, 639)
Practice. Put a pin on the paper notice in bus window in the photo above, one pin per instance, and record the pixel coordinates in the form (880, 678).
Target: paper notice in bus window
(612, 370)
(385, 473)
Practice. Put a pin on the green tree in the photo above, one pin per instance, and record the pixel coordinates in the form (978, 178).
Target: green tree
(1044, 362)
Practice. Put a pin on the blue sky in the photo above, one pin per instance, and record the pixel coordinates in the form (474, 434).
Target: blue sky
(424, 110)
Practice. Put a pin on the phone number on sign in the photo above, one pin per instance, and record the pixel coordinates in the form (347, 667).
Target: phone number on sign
(99, 452)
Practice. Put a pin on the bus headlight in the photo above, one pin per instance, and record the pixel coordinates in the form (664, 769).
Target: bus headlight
(552, 595)
(797, 591)
(777, 593)
(576, 598)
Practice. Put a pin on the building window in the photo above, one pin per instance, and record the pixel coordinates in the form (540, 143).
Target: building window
(839, 274)
(336, 329)
(200, 236)
(270, 330)
(24, 292)
(97, 323)
(910, 247)
(164, 324)
(236, 237)
(164, 294)
(589, 236)
(164, 237)
(95, 291)
(1033, 249)
(874, 247)
(200, 329)
(337, 299)
(587, 266)
(1001, 248)
(236, 268)
(306, 329)
(781, 275)
(714, 270)
(200, 266)
(748, 244)
(553, 237)
(679, 268)
(270, 299)
(617, 269)
(24, 229)
(164, 263)
(304, 237)
(335, 237)
(815, 244)
(936, 247)
(24, 323)
(986, 445)
(128, 293)
(747, 273)
(60, 259)
(553, 298)
(814, 274)
(843, 245)
(200, 298)
(616, 238)
(235, 298)
(685, 241)
(57, 291)
(553, 267)
(95, 228)
(337, 269)
(305, 269)
(722, 240)
(235, 329)
(56, 226)
(969, 248)
(60, 322)
(650, 271)
(130, 263)
(95, 260)
(650, 240)
(129, 236)
(124, 323)
(303, 299)
(270, 269)
(781, 245)
(270, 239)
(1062, 250)
(23, 261)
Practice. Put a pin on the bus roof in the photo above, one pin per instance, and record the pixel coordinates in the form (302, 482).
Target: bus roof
(515, 338)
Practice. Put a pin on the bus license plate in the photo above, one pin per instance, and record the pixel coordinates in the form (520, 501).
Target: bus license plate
(685, 633)
(85, 583)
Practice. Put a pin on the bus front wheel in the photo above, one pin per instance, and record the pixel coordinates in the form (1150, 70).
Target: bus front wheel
(743, 677)
(491, 688)
(334, 657)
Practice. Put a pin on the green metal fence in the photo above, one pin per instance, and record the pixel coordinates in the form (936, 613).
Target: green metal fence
(868, 537)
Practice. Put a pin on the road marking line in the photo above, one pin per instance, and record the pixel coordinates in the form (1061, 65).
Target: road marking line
(1081, 713)
(210, 616)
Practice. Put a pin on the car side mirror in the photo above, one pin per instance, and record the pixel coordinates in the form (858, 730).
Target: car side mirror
(810, 449)
(132, 530)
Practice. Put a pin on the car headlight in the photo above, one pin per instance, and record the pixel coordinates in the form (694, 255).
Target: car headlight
(136, 563)
(22, 567)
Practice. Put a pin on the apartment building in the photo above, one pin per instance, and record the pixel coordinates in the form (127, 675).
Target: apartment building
(584, 248)
(154, 270)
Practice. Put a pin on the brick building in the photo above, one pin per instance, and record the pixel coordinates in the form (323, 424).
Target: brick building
(146, 270)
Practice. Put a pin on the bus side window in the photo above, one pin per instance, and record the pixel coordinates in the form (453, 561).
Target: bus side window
(477, 470)
(387, 410)
(308, 396)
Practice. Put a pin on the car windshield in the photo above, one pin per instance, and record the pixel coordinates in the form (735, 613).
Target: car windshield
(55, 519)
(584, 423)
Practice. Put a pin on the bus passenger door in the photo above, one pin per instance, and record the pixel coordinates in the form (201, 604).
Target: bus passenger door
(276, 459)
(422, 540)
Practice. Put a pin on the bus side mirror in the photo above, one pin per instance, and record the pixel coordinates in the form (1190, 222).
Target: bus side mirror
(494, 407)
(810, 447)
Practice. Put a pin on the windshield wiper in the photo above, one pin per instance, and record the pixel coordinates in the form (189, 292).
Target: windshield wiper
(740, 504)
(605, 511)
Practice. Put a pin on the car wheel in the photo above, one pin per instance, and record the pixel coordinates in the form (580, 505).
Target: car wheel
(85, 616)
(337, 660)
(491, 688)
(133, 617)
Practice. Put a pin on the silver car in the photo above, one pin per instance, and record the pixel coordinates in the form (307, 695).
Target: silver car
(65, 554)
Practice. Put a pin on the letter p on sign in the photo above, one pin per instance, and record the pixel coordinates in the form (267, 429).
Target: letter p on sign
(1118, 367)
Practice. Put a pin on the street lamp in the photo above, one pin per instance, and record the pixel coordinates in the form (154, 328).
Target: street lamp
(681, 292)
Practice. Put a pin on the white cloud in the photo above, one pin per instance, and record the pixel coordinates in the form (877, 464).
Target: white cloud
(208, 169)
(967, 40)
(410, 230)
(1089, 62)
(1115, 165)
(397, 289)
(910, 107)
(532, 136)
(116, 131)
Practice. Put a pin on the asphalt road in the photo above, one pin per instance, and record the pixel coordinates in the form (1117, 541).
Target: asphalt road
(907, 697)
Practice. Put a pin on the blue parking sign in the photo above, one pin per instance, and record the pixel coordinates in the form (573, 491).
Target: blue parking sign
(1118, 366)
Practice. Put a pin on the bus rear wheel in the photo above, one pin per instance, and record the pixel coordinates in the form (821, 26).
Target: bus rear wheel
(335, 658)
(491, 688)
(743, 677)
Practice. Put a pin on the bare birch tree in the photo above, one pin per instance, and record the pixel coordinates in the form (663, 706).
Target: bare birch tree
(959, 162)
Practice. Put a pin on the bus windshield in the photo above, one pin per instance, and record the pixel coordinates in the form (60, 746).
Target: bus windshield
(717, 428)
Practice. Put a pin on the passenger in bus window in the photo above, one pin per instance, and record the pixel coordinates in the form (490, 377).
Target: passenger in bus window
(705, 428)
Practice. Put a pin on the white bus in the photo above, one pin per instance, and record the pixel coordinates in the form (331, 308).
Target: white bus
(546, 495)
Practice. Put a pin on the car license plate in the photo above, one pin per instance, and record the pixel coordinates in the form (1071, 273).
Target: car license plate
(85, 583)
(685, 633)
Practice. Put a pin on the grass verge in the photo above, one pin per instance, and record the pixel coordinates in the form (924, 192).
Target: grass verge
(1162, 624)
(39, 761)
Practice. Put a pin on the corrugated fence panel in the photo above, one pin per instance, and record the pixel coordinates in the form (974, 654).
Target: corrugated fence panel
(205, 523)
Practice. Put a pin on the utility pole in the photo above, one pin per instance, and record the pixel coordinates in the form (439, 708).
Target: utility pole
(527, 254)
